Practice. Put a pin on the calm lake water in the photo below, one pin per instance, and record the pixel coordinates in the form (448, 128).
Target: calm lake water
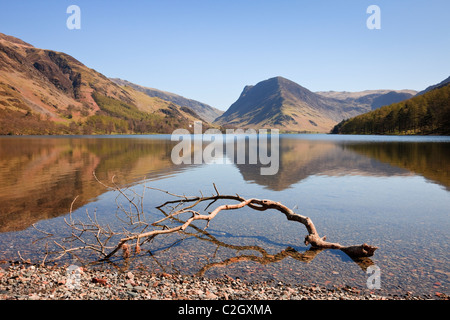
(391, 192)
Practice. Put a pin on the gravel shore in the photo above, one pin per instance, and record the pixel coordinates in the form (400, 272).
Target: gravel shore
(29, 282)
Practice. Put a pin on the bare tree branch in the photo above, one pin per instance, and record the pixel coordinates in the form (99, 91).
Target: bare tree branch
(91, 235)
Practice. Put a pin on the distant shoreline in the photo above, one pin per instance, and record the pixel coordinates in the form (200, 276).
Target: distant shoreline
(168, 134)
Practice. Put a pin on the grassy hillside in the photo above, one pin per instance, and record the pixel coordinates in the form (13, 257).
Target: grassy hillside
(428, 113)
(119, 117)
(45, 92)
(208, 113)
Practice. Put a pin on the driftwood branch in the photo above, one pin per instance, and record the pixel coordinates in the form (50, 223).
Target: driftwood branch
(91, 235)
(312, 238)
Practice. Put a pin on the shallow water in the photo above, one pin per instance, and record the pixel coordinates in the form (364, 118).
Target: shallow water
(391, 192)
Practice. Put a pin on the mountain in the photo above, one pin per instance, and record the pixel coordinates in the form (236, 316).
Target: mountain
(48, 92)
(372, 99)
(208, 113)
(283, 104)
(427, 113)
(436, 86)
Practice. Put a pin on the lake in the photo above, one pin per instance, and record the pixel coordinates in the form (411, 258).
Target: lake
(391, 192)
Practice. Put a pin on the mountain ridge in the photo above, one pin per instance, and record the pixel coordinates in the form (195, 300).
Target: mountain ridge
(48, 92)
(428, 112)
(281, 103)
(435, 86)
(208, 113)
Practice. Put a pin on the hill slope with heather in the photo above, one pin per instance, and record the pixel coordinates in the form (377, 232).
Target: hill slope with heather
(208, 113)
(48, 92)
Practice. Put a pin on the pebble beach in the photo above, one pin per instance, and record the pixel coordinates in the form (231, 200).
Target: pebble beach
(55, 282)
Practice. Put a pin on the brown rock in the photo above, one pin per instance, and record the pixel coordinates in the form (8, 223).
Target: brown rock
(99, 280)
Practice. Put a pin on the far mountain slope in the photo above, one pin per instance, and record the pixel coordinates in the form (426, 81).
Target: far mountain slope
(372, 99)
(436, 86)
(207, 112)
(428, 113)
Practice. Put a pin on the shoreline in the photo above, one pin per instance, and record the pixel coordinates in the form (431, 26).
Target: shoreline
(30, 282)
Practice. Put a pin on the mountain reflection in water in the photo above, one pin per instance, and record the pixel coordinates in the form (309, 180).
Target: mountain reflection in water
(40, 176)
(391, 192)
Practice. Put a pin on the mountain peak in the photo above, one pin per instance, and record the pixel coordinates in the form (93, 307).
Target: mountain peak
(278, 79)
(282, 104)
(279, 103)
(281, 81)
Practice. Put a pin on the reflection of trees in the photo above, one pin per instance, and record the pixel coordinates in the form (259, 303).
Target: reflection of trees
(300, 159)
(431, 160)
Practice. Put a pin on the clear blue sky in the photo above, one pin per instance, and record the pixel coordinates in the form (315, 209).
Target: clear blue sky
(209, 50)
